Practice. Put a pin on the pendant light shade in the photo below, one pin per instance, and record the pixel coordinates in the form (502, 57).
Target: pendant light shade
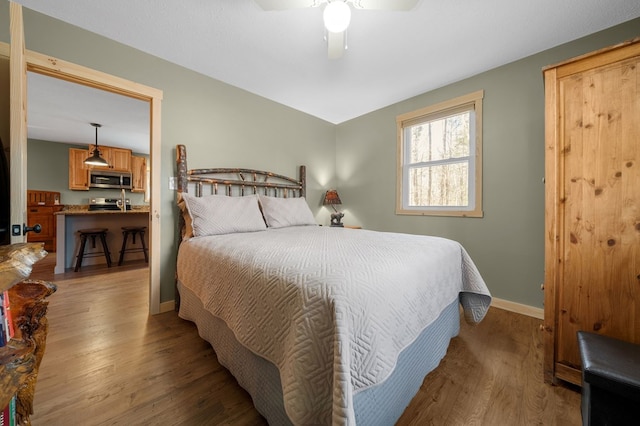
(95, 159)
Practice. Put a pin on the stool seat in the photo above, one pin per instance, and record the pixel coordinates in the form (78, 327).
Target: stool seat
(89, 231)
(93, 233)
(133, 231)
(134, 228)
(610, 380)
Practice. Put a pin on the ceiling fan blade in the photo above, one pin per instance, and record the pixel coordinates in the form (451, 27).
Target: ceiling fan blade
(385, 4)
(335, 44)
(287, 4)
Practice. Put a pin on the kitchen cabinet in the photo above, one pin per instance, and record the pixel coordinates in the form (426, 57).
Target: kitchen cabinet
(592, 200)
(139, 173)
(119, 159)
(41, 205)
(78, 171)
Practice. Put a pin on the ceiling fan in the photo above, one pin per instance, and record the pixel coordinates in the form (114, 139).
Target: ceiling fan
(337, 15)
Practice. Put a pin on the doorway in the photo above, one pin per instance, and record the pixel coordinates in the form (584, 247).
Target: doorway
(43, 64)
(60, 115)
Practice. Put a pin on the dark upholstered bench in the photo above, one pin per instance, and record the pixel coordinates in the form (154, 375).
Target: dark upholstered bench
(610, 380)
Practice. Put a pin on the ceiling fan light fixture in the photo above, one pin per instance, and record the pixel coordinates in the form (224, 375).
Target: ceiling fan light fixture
(337, 16)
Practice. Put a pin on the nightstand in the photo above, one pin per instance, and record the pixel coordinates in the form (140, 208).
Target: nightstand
(353, 227)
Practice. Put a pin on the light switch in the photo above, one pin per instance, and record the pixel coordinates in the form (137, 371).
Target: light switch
(173, 182)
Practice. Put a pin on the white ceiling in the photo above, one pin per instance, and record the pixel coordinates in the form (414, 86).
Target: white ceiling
(392, 56)
(60, 111)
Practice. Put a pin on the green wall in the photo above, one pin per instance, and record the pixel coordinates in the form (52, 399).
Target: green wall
(48, 170)
(226, 126)
(507, 244)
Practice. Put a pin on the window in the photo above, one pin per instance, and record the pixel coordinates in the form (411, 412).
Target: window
(440, 159)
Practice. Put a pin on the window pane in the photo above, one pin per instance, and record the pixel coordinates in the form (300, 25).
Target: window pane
(445, 185)
(439, 139)
(440, 159)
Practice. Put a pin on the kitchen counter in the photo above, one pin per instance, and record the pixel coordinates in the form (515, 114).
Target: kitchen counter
(100, 212)
(83, 209)
(75, 217)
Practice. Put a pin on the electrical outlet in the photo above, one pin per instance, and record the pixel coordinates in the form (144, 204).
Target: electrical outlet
(173, 183)
(16, 230)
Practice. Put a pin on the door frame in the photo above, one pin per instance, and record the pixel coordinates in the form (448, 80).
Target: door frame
(54, 67)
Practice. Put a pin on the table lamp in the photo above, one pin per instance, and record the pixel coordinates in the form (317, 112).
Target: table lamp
(331, 198)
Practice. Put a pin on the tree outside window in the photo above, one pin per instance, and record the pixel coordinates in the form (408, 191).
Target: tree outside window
(439, 159)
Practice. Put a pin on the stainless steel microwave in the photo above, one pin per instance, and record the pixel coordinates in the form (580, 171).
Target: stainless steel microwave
(109, 180)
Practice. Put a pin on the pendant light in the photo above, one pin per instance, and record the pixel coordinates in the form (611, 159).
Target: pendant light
(95, 159)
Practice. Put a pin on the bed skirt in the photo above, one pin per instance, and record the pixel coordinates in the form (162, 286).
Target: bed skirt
(378, 405)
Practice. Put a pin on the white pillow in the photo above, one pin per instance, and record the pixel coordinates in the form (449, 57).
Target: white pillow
(283, 212)
(221, 214)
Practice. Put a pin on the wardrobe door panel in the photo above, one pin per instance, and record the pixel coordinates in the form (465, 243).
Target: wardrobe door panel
(593, 222)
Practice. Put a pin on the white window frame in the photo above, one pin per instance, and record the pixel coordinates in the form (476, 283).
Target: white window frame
(471, 102)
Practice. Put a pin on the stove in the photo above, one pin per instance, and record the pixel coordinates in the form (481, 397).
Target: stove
(102, 204)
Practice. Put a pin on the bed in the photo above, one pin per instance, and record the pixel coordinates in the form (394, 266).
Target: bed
(321, 325)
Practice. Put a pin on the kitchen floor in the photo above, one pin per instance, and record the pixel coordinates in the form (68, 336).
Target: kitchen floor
(43, 270)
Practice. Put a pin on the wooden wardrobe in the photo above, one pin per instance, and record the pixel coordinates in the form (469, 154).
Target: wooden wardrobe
(592, 203)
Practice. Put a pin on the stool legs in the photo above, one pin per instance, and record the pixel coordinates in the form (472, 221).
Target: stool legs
(125, 236)
(106, 249)
(144, 247)
(93, 233)
(83, 242)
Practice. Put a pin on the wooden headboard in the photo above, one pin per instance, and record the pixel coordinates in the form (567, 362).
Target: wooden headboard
(236, 181)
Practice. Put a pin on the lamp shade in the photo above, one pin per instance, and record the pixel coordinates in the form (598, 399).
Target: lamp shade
(95, 159)
(337, 16)
(331, 197)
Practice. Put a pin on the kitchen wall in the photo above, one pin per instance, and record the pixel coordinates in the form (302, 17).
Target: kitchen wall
(54, 158)
(507, 244)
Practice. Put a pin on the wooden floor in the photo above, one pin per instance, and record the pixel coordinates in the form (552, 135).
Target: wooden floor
(108, 363)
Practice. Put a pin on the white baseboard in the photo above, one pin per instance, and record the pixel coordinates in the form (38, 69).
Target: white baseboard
(167, 306)
(518, 308)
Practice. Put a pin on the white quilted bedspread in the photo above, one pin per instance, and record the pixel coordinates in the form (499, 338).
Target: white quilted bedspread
(331, 308)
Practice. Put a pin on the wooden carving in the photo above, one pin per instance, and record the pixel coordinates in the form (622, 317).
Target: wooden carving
(21, 357)
(16, 262)
(29, 309)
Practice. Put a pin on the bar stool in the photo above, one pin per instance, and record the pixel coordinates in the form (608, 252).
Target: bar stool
(93, 233)
(133, 230)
